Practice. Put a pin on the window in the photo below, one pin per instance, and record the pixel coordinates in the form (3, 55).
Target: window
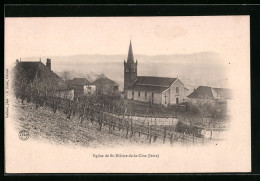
(177, 89)
(126, 70)
(138, 94)
(133, 93)
(133, 70)
(152, 95)
(145, 94)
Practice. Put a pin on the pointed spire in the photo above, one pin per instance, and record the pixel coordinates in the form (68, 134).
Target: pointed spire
(130, 58)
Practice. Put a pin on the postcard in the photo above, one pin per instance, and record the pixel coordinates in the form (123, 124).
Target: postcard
(167, 94)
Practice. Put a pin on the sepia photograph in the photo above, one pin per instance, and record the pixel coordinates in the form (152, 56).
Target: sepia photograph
(166, 94)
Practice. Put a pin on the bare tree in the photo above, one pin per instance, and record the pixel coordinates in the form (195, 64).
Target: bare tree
(20, 83)
(65, 75)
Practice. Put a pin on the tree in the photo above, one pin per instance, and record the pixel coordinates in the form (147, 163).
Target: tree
(65, 75)
(19, 83)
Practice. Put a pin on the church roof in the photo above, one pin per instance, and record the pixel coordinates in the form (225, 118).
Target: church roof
(152, 84)
(130, 58)
(155, 81)
(148, 88)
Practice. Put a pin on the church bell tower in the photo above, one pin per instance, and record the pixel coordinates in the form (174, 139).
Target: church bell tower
(130, 69)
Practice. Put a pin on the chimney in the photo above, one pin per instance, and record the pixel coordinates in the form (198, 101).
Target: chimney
(48, 63)
(17, 61)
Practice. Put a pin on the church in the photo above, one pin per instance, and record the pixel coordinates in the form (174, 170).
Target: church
(154, 90)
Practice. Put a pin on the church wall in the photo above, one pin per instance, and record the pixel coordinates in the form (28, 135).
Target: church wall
(173, 94)
(157, 97)
(167, 92)
(142, 96)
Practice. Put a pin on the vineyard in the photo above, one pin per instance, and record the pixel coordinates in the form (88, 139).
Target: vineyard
(99, 113)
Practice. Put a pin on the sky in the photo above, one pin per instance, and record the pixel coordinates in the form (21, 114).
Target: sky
(227, 36)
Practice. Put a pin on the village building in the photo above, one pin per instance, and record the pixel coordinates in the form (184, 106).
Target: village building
(105, 85)
(217, 97)
(155, 90)
(66, 93)
(37, 75)
(205, 93)
(82, 87)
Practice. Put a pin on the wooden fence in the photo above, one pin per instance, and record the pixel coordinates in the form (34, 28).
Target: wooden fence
(104, 117)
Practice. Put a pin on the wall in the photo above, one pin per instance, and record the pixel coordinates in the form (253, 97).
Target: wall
(78, 90)
(166, 92)
(105, 88)
(174, 95)
(69, 94)
(89, 89)
(156, 99)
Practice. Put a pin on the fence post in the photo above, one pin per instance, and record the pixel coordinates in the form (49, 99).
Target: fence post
(164, 134)
(171, 139)
(150, 136)
(119, 124)
(109, 124)
(148, 131)
(193, 132)
(132, 128)
(154, 138)
(127, 129)
(140, 130)
(100, 122)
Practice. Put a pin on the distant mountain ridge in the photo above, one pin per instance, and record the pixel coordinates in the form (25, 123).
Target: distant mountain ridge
(204, 68)
(201, 57)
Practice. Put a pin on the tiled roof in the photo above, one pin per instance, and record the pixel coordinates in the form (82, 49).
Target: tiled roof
(104, 81)
(226, 93)
(30, 69)
(204, 92)
(158, 81)
(79, 81)
(148, 88)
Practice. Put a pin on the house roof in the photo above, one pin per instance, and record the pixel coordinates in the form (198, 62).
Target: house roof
(205, 92)
(155, 81)
(226, 93)
(30, 69)
(202, 92)
(148, 88)
(104, 80)
(78, 81)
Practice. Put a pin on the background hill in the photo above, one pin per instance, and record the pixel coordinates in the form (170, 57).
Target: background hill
(205, 68)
